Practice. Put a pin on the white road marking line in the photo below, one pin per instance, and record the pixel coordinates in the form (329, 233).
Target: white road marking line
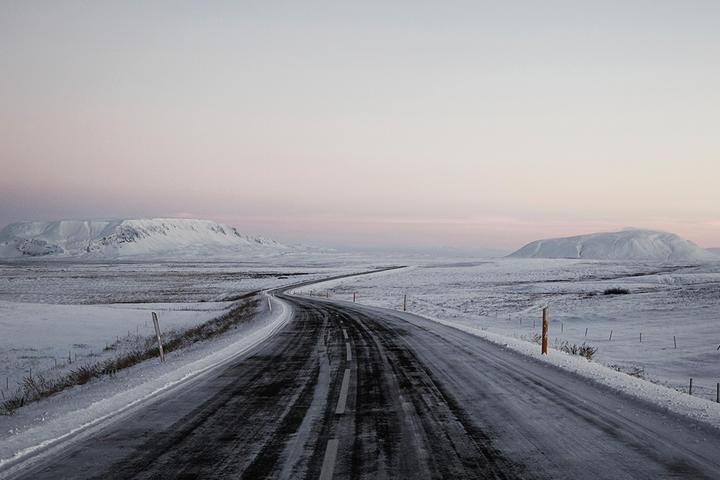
(343, 392)
(349, 353)
(326, 473)
(345, 333)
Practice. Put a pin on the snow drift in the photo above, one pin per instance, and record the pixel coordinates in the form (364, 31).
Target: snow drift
(156, 238)
(629, 244)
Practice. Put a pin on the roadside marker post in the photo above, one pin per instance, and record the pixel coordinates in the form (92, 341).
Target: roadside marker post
(157, 332)
(405, 303)
(545, 327)
(354, 297)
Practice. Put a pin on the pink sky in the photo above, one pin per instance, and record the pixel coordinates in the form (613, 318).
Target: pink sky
(465, 124)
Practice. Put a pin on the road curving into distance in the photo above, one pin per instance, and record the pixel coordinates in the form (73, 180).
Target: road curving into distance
(346, 391)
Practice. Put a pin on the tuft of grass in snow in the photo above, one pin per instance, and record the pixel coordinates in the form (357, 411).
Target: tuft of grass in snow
(616, 291)
(634, 371)
(35, 388)
(584, 350)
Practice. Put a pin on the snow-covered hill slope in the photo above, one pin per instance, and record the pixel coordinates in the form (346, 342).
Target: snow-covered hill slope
(629, 244)
(155, 238)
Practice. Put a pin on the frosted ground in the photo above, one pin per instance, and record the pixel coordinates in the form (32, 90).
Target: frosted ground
(50, 311)
(506, 296)
(47, 308)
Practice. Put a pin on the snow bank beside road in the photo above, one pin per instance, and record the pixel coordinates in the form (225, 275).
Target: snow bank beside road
(81, 410)
(506, 295)
(39, 337)
(677, 402)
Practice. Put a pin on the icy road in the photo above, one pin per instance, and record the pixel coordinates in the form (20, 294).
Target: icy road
(345, 391)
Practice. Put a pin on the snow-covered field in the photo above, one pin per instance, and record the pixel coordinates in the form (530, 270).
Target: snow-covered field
(667, 304)
(51, 309)
(53, 312)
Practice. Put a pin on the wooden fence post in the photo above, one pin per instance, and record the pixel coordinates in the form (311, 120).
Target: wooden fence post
(354, 297)
(545, 327)
(157, 332)
(405, 303)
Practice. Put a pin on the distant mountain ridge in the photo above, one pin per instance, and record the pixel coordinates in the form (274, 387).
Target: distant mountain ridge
(131, 238)
(629, 244)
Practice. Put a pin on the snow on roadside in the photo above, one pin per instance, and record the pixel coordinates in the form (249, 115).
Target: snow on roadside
(41, 336)
(91, 312)
(388, 295)
(49, 423)
(677, 402)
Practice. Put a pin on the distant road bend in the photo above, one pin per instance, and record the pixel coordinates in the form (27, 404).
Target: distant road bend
(346, 391)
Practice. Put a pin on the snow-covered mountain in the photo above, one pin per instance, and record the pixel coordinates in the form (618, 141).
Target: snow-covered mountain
(629, 244)
(155, 238)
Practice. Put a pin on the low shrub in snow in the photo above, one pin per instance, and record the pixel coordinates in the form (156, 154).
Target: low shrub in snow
(583, 350)
(616, 291)
(633, 371)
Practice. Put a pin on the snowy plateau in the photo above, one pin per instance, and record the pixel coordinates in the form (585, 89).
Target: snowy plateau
(139, 239)
(628, 244)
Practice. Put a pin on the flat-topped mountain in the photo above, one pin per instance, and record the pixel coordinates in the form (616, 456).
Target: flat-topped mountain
(166, 238)
(629, 244)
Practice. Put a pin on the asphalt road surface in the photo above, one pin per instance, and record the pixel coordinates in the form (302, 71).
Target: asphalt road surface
(345, 391)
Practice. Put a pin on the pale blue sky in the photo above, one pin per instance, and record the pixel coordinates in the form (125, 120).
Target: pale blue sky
(466, 123)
